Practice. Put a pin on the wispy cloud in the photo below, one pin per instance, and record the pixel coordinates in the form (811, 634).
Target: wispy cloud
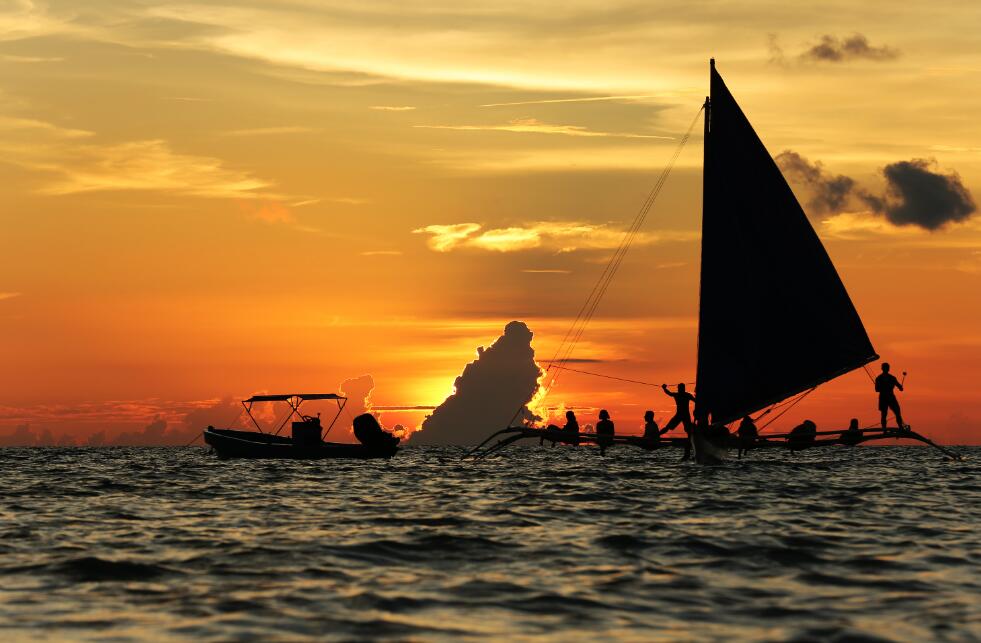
(303, 202)
(381, 253)
(8, 295)
(149, 165)
(582, 99)
(546, 271)
(189, 99)
(559, 236)
(392, 108)
(30, 59)
(269, 131)
(860, 225)
(535, 126)
(348, 200)
(28, 125)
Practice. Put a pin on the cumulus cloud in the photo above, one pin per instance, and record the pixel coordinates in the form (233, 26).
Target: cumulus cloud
(502, 380)
(560, 236)
(833, 49)
(917, 194)
(535, 126)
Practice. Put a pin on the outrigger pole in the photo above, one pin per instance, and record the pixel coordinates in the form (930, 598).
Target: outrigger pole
(790, 441)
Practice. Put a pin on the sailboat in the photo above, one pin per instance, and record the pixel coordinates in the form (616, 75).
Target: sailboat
(775, 320)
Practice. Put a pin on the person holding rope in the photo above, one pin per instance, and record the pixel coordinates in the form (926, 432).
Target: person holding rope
(885, 385)
(682, 414)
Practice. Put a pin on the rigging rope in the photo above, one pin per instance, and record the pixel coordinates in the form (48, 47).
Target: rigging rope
(609, 377)
(588, 309)
(792, 405)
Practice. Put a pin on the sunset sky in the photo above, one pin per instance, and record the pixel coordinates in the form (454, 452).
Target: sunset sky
(202, 200)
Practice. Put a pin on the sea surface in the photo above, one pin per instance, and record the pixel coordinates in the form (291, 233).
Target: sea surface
(839, 544)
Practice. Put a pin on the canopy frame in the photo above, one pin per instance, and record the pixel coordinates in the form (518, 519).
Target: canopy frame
(294, 401)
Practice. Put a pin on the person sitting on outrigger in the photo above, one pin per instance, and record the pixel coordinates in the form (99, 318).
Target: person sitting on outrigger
(571, 428)
(747, 433)
(652, 434)
(853, 435)
(604, 431)
(885, 384)
(682, 414)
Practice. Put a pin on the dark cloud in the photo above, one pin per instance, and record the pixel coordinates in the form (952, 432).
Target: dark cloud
(917, 192)
(918, 195)
(829, 193)
(153, 434)
(502, 379)
(22, 436)
(833, 49)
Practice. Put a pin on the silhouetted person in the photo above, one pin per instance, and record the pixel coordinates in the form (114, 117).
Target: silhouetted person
(853, 435)
(604, 431)
(802, 436)
(747, 433)
(652, 433)
(570, 429)
(885, 385)
(682, 414)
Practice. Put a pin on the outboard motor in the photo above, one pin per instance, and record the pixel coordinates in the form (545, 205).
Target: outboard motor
(306, 432)
(369, 432)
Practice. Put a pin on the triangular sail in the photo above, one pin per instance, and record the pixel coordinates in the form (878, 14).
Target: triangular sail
(774, 317)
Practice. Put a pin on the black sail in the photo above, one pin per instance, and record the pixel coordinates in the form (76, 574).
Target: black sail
(774, 317)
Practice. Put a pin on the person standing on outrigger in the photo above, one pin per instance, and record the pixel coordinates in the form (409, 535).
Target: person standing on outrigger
(682, 414)
(885, 385)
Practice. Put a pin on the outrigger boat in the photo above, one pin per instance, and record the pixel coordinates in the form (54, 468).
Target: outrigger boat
(774, 320)
(306, 441)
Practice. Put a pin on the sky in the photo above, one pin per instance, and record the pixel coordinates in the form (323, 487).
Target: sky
(204, 200)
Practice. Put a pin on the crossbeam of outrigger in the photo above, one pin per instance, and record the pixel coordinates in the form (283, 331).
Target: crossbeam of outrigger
(793, 442)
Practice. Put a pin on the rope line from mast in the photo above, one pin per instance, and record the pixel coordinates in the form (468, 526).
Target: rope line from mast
(565, 349)
(609, 377)
(572, 336)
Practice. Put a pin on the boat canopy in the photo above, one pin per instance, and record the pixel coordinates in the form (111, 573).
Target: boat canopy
(289, 396)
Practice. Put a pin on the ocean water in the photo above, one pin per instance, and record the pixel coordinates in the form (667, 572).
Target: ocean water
(839, 544)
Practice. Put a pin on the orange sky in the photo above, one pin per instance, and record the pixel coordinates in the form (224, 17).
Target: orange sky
(204, 200)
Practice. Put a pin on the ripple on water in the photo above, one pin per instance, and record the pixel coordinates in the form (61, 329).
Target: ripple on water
(860, 544)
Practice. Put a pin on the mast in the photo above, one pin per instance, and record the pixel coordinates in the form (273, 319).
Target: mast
(774, 317)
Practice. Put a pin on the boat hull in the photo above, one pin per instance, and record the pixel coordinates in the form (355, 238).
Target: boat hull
(229, 443)
(709, 449)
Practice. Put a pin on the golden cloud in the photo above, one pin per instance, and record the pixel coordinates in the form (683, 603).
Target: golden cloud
(150, 165)
(558, 236)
